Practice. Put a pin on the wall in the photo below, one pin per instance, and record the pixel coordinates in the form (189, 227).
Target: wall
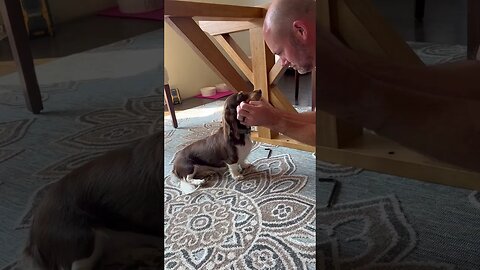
(186, 70)
(67, 10)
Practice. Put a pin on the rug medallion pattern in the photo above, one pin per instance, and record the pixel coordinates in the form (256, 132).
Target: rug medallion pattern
(259, 222)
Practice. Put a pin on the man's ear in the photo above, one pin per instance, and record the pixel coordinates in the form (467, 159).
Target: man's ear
(300, 30)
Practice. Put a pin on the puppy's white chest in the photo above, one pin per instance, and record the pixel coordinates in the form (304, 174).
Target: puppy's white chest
(244, 150)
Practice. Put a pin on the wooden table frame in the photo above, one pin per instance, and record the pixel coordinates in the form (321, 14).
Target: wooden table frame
(260, 70)
(360, 26)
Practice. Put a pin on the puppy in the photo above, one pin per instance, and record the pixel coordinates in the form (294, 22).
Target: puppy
(228, 147)
(110, 203)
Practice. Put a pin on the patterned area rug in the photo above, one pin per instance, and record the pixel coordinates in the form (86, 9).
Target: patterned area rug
(380, 221)
(94, 102)
(264, 221)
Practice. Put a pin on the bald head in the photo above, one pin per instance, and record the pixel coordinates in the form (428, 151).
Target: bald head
(289, 31)
(282, 13)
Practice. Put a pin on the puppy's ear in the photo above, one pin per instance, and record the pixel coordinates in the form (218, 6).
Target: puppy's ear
(230, 123)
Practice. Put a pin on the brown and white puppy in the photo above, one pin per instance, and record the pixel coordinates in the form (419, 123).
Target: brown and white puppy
(110, 202)
(228, 147)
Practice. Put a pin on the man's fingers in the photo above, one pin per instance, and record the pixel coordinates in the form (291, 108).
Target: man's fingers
(246, 106)
(243, 113)
(255, 102)
(259, 103)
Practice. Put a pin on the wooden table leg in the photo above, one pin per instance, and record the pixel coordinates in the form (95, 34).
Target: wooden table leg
(11, 12)
(168, 98)
(473, 28)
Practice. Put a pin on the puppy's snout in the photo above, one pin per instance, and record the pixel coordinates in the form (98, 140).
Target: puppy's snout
(255, 95)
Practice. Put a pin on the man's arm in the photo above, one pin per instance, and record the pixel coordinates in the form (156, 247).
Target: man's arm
(298, 126)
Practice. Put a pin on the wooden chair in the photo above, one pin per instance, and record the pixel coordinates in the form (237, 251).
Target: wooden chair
(12, 15)
(167, 94)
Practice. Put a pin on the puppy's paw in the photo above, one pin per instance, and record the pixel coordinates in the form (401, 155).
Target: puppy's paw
(237, 177)
(246, 167)
(197, 182)
(187, 188)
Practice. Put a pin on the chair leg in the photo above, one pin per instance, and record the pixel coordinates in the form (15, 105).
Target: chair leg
(419, 10)
(168, 98)
(297, 79)
(11, 12)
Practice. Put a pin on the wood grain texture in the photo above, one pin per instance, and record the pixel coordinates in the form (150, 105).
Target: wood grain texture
(238, 56)
(375, 153)
(285, 141)
(206, 49)
(228, 27)
(262, 61)
(212, 12)
(276, 72)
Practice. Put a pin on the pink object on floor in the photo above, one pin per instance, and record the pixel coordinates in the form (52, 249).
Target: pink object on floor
(218, 95)
(156, 15)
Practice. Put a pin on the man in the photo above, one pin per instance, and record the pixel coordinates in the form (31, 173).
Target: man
(289, 31)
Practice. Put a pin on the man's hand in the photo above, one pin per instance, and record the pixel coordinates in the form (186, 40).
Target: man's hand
(257, 113)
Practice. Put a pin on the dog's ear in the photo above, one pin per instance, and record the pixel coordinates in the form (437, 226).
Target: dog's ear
(230, 123)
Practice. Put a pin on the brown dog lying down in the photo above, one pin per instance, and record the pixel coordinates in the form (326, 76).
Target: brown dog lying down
(110, 203)
(228, 147)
